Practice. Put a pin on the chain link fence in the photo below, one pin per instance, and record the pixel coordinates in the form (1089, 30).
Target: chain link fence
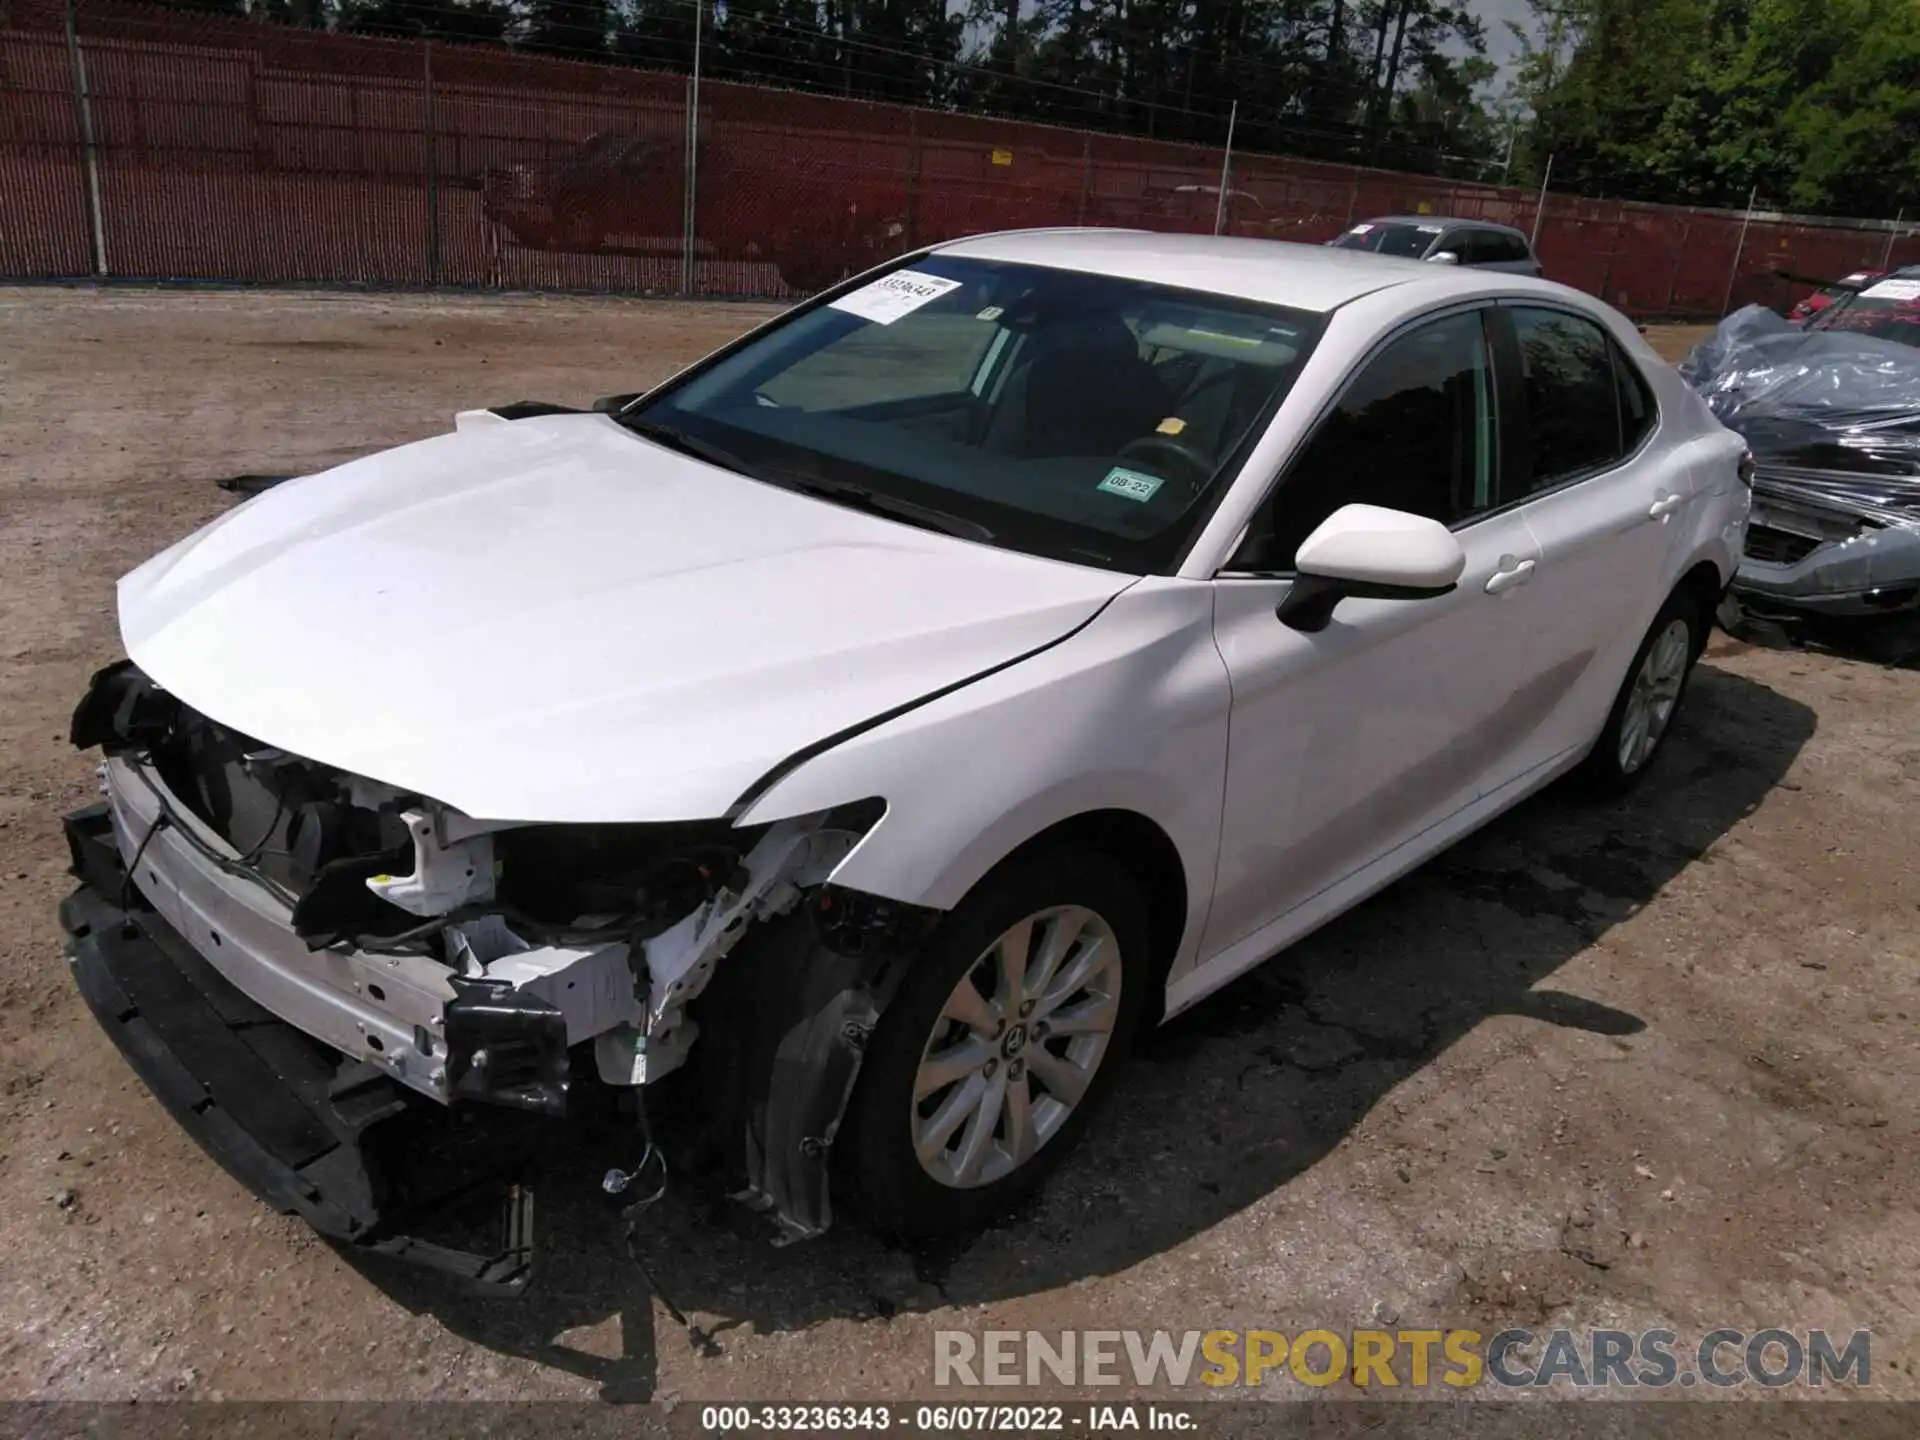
(148, 144)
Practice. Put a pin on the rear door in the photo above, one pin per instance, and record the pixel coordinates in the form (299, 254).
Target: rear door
(1605, 502)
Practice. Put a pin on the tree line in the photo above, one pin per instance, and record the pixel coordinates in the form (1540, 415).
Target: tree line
(1814, 104)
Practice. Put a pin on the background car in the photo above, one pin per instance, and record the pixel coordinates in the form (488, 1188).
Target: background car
(1477, 243)
(1825, 294)
(1831, 412)
(624, 194)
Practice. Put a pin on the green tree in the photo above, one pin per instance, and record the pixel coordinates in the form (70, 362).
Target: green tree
(1816, 103)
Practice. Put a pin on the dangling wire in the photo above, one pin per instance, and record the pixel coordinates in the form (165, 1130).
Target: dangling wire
(126, 880)
(618, 1182)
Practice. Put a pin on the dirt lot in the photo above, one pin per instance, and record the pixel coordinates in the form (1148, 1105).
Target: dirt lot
(1646, 1065)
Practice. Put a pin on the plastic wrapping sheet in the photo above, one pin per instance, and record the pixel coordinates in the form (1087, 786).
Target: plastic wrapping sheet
(1818, 399)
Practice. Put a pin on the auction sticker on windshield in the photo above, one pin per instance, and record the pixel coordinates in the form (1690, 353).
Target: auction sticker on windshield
(1130, 483)
(892, 296)
(1892, 290)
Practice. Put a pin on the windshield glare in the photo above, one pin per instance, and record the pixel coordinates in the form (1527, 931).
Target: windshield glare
(1080, 417)
(1409, 242)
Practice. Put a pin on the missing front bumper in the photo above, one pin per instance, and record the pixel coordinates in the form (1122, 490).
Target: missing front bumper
(313, 1133)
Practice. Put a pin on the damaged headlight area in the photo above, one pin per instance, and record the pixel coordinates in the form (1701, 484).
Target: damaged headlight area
(487, 952)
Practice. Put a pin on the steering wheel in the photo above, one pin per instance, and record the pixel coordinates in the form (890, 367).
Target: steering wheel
(1199, 464)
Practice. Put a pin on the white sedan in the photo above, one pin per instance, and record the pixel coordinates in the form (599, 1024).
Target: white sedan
(883, 719)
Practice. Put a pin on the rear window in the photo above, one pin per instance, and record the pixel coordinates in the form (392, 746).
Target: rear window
(1587, 406)
(1510, 247)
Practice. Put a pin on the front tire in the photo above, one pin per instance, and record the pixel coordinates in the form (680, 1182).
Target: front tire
(1004, 1038)
(1643, 712)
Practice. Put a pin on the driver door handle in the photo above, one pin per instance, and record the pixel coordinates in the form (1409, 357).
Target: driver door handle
(1665, 506)
(1504, 580)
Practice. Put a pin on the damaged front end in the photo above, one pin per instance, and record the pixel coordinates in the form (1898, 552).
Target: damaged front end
(1844, 543)
(435, 957)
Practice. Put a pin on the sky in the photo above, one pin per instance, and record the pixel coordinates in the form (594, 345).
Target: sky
(1501, 48)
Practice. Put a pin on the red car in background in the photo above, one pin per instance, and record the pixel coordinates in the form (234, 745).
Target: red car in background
(616, 194)
(1826, 294)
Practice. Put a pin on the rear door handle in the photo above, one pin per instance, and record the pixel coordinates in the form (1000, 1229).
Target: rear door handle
(1665, 506)
(1504, 580)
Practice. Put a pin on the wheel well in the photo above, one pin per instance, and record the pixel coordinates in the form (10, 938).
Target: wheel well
(1703, 584)
(1141, 848)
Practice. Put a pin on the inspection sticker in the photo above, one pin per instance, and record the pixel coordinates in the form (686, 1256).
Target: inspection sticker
(1130, 483)
(1893, 290)
(891, 296)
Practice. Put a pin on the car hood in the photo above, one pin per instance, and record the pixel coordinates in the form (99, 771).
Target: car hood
(555, 620)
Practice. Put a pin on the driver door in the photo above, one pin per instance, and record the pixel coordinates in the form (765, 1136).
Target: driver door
(1350, 744)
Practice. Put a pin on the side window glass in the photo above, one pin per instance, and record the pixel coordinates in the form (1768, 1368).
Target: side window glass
(1637, 415)
(1465, 244)
(1573, 406)
(1414, 431)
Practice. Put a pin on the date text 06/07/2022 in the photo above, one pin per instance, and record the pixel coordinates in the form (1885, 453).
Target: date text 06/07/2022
(1100, 1419)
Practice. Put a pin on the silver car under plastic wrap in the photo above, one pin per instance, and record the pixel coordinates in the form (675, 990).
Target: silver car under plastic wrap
(1833, 419)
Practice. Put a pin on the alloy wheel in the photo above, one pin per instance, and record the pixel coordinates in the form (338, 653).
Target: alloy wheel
(1656, 690)
(1016, 1046)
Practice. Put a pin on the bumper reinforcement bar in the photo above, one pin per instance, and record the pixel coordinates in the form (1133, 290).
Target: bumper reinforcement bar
(313, 1133)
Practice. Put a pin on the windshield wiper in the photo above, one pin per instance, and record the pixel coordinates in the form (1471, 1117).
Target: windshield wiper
(840, 492)
(674, 438)
(859, 497)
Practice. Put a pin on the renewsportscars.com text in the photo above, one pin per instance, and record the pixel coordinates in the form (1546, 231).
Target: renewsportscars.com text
(1460, 1359)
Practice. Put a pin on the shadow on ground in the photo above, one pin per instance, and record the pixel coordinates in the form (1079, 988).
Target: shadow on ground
(1223, 1105)
(1891, 640)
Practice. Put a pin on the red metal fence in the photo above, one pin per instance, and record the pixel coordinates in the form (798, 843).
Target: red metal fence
(152, 144)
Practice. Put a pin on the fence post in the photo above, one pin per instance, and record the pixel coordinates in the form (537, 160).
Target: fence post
(911, 239)
(1733, 271)
(1679, 259)
(1086, 175)
(691, 171)
(1613, 250)
(1540, 209)
(433, 175)
(1226, 169)
(90, 159)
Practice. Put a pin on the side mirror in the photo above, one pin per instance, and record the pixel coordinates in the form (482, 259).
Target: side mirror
(1443, 257)
(614, 404)
(1369, 552)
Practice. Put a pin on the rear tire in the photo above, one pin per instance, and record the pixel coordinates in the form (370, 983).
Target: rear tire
(1000, 1045)
(1642, 716)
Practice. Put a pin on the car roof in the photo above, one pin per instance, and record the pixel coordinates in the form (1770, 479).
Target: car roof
(1317, 278)
(1442, 221)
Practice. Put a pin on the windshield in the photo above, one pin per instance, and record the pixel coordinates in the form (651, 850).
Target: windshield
(1886, 310)
(1080, 417)
(1408, 241)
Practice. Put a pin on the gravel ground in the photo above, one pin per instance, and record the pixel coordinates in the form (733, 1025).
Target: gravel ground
(1629, 1066)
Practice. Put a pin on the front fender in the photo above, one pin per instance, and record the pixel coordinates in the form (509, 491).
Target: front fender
(1129, 714)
